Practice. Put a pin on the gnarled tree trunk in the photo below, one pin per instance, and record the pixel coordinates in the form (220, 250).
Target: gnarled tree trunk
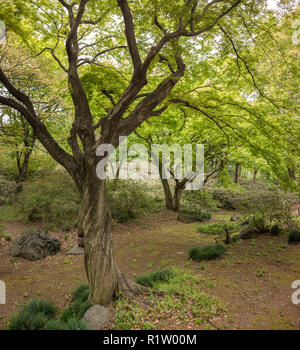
(94, 226)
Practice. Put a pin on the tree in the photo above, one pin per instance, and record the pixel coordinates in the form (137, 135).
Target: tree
(155, 32)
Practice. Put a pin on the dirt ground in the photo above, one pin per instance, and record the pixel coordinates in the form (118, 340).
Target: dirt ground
(253, 279)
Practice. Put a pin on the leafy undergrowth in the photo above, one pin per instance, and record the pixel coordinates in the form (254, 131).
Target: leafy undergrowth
(218, 229)
(209, 252)
(182, 302)
(39, 314)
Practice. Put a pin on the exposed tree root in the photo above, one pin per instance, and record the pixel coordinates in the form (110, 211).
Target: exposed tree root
(129, 288)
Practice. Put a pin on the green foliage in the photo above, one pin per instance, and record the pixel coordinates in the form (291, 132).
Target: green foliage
(218, 229)
(71, 324)
(128, 199)
(199, 199)
(200, 216)
(150, 279)
(275, 230)
(79, 305)
(209, 252)
(267, 207)
(33, 316)
(294, 235)
(66, 228)
(52, 201)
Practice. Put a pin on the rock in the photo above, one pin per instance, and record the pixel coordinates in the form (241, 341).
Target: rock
(235, 218)
(35, 246)
(186, 218)
(248, 232)
(96, 316)
(76, 251)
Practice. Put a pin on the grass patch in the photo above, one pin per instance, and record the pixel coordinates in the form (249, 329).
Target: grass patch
(294, 236)
(200, 215)
(218, 229)
(79, 305)
(183, 301)
(33, 316)
(209, 252)
(150, 279)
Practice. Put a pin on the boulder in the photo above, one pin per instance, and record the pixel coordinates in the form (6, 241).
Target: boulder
(186, 218)
(35, 246)
(248, 232)
(96, 316)
(76, 251)
(235, 218)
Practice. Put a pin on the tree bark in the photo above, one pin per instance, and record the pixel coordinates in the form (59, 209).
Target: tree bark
(105, 280)
(255, 171)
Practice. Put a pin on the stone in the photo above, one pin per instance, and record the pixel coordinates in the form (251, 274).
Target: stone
(76, 251)
(186, 218)
(35, 246)
(235, 218)
(248, 232)
(96, 317)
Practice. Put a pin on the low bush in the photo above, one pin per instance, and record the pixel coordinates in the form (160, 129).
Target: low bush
(218, 229)
(275, 230)
(200, 215)
(79, 304)
(128, 199)
(72, 324)
(52, 201)
(209, 252)
(148, 280)
(294, 235)
(33, 316)
(199, 200)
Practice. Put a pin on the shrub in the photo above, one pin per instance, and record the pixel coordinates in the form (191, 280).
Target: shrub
(72, 324)
(199, 199)
(66, 228)
(275, 230)
(294, 235)
(148, 280)
(53, 202)
(207, 253)
(33, 316)
(218, 229)
(266, 207)
(128, 199)
(200, 216)
(79, 305)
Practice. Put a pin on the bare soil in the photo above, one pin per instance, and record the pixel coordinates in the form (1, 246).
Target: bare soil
(253, 279)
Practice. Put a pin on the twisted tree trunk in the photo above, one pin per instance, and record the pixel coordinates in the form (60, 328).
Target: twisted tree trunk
(94, 226)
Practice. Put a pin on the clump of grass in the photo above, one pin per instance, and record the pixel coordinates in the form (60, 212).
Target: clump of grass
(33, 316)
(275, 230)
(66, 228)
(218, 229)
(72, 324)
(200, 215)
(185, 285)
(209, 252)
(79, 305)
(149, 279)
(294, 236)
